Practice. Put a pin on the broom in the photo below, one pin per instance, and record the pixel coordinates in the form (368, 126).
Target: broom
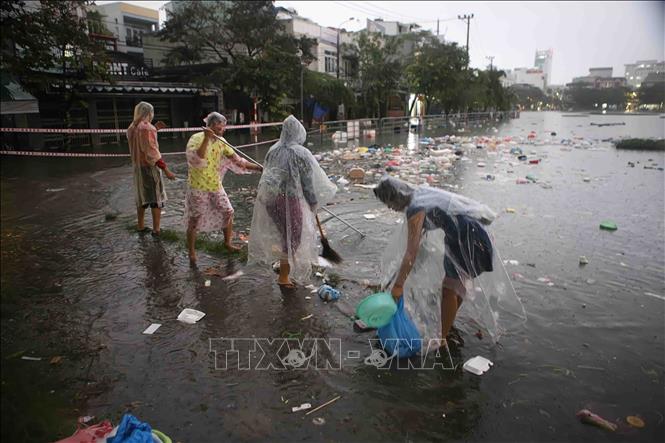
(328, 252)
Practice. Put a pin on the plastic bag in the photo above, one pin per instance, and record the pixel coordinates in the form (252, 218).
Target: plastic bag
(132, 430)
(400, 337)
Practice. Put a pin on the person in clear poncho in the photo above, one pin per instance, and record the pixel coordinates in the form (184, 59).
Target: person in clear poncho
(292, 187)
(148, 164)
(444, 241)
(207, 206)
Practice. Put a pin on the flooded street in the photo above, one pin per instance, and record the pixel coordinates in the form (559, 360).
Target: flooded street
(79, 283)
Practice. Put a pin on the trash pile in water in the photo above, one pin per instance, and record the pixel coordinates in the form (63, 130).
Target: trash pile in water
(431, 160)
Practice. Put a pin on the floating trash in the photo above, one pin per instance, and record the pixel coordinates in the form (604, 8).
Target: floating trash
(477, 365)
(635, 421)
(608, 225)
(190, 316)
(151, 329)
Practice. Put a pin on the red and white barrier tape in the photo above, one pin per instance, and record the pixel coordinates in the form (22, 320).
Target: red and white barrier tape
(59, 154)
(123, 131)
(85, 154)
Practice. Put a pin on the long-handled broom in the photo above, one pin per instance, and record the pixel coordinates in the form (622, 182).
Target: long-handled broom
(328, 252)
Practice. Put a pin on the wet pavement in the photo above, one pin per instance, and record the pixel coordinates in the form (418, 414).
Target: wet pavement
(81, 285)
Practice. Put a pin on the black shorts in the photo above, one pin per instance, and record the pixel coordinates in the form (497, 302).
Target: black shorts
(469, 249)
(153, 205)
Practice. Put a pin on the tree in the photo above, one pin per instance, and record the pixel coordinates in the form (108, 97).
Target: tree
(652, 95)
(528, 96)
(256, 55)
(583, 97)
(47, 43)
(438, 71)
(50, 38)
(378, 69)
(327, 90)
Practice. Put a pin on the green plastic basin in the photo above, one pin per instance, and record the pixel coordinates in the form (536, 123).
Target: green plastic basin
(377, 309)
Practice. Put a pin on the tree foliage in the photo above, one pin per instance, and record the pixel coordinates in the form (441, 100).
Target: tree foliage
(255, 54)
(40, 40)
(528, 96)
(437, 71)
(583, 97)
(378, 70)
(652, 95)
(327, 90)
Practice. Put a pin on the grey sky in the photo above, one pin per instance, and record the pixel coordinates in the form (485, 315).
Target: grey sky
(581, 34)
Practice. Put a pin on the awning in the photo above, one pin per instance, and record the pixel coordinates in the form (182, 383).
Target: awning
(144, 89)
(14, 99)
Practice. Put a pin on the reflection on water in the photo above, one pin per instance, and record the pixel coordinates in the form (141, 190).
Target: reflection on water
(594, 338)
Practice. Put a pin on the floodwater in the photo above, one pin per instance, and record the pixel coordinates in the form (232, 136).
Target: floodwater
(82, 287)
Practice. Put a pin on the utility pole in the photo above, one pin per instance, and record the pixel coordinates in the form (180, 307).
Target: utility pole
(491, 59)
(338, 29)
(468, 23)
(437, 26)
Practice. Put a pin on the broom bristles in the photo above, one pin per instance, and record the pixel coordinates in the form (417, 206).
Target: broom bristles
(329, 253)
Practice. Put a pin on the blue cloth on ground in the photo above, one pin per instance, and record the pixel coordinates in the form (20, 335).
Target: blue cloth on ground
(132, 430)
(400, 337)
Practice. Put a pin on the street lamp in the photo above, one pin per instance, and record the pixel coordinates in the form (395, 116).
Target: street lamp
(338, 28)
(302, 70)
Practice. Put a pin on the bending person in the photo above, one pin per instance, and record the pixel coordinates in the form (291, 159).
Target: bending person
(148, 164)
(292, 187)
(207, 207)
(468, 248)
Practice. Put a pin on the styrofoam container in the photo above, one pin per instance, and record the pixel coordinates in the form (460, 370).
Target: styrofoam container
(190, 316)
(477, 365)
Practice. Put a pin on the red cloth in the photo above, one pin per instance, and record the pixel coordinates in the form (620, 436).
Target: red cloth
(89, 434)
(278, 212)
(161, 164)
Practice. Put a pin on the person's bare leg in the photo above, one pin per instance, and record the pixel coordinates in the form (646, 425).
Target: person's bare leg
(140, 212)
(191, 243)
(284, 270)
(156, 219)
(228, 236)
(449, 309)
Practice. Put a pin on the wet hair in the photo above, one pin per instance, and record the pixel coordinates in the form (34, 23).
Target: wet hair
(142, 111)
(214, 117)
(395, 191)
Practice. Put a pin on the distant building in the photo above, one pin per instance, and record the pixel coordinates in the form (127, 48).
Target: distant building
(325, 50)
(543, 61)
(524, 76)
(128, 23)
(600, 72)
(638, 71)
(653, 79)
(599, 78)
(391, 28)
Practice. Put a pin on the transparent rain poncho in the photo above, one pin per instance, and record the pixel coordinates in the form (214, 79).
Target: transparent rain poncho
(144, 151)
(292, 186)
(456, 243)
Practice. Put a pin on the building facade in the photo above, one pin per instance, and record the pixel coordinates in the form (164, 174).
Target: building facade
(636, 73)
(524, 76)
(327, 40)
(599, 78)
(543, 61)
(391, 28)
(128, 24)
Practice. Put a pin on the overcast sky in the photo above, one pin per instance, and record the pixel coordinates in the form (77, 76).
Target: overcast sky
(581, 34)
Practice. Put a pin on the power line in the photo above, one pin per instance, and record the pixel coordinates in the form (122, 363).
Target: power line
(392, 16)
(398, 14)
